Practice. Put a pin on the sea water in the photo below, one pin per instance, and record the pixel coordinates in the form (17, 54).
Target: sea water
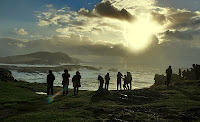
(143, 77)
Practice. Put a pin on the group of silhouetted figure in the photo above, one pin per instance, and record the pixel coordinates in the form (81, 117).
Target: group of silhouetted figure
(192, 74)
(127, 80)
(65, 82)
(76, 81)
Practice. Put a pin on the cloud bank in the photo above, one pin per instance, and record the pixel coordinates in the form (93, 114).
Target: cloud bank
(108, 29)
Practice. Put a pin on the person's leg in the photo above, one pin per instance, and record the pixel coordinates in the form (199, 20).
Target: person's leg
(127, 86)
(107, 86)
(101, 85)
(74, 90)
(117, 86)
(130, 85)
(48, 90)
(51, 90)
(66, 89)
(168, 81)
(77, 90)
(120, 85)
(63, 89)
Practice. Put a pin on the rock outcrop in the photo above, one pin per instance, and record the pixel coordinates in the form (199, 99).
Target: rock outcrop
(6, 75)
(161, 79)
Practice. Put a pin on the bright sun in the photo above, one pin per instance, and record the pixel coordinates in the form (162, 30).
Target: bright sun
(139, 33)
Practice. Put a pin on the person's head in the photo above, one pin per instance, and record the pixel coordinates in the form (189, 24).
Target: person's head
(50, 71)
(107, 73)
(193, 65)
(77, 73)
(170, 67)
(66, 71)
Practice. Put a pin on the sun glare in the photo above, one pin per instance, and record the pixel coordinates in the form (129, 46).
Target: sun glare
(138, 34)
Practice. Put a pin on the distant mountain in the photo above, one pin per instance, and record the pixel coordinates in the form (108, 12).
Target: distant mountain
(40, 58)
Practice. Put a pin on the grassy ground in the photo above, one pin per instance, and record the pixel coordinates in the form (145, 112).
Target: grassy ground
(179, 102)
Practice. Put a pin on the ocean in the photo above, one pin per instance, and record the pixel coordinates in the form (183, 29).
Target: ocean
(143, 76)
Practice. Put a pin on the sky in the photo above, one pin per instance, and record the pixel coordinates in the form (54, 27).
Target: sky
(151, 32)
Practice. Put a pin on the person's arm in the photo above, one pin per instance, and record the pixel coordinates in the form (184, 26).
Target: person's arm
(47, 78)
(54, 77)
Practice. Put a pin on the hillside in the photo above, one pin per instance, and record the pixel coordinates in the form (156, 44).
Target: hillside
(40, 58)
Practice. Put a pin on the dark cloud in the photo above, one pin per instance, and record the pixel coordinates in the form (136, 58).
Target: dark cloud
(78, 23)
(106, 9)
(177, 35)
(181, 19)
(160, 18)
(178, 20)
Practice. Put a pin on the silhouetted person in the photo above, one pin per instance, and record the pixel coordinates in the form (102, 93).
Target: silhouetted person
(100, 79)
(65, 81)
(198, 72)
(169, 75)
(187, 74)
(107, 79)
(50, 79)
(195, 71)
(179, 73)
(184, 74)
(129, 79)
(125, 85)
(119, 77)
(76, 81)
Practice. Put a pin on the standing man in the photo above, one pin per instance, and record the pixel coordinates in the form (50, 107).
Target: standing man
(129, 78)
(107, 79)
(119, 77)
(65, 81)
(169, 75)
(100, 79)
(76, 82)
(50, 79)
(179, 73)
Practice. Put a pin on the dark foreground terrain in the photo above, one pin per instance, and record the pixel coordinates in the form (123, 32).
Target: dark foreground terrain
(179, 102)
